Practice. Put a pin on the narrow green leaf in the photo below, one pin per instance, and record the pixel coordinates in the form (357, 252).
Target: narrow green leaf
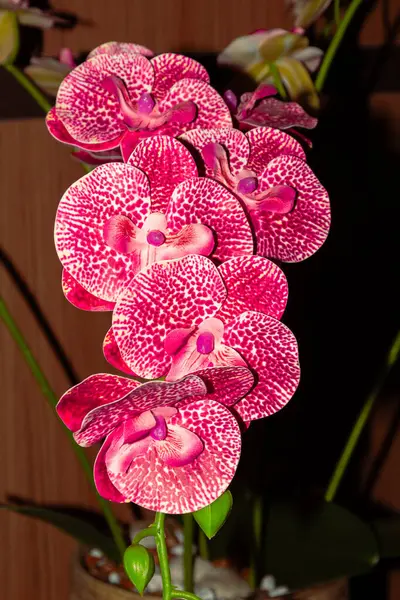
(78, 528)
(212, 517)
(139, 566)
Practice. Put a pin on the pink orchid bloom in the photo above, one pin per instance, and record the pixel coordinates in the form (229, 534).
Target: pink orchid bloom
(187, 315)
(258, 109)
(121, 218)
(118, 97)
(286, 204)
(163, 442)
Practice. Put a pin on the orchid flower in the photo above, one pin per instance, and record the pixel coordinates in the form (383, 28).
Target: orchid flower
(307, 11)
(116, 98)
(286, 204)
(258, 109)
(48, 73)
(121, 218)
(260, 53)
(186, 315)
(170, 447)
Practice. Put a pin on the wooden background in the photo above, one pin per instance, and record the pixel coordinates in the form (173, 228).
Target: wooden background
(36, 460)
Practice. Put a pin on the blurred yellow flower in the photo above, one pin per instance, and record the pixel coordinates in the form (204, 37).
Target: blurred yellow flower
(277, 53)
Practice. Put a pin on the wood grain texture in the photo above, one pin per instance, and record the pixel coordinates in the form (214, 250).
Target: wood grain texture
(37, 462)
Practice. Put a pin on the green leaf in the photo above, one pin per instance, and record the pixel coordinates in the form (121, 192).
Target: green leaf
(308, 547)
(9, 37)
(139, 566)
(387, 531)
(77, 527)
(212, 517)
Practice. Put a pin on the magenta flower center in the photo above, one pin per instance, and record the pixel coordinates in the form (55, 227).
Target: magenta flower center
(146, 103)
(205, 343)
(247, 185)
(159, 431)
(155, 238)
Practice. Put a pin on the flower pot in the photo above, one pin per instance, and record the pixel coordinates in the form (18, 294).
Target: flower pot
(86, 587)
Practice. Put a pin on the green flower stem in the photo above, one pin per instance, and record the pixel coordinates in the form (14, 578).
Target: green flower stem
(257, 534)
(276, 76)
(145, 533)
(203, 545)
(29, 86)
(184, 595)
(336, 12)
(359, 425)
(188, 529)
(335, 43)
(162, 552)
(49, 394)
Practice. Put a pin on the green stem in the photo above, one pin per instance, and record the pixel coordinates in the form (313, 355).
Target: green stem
(203, 545)
(359, 425)
(336, 11)
(257, 534)
(184, 595)
(188, 529)
(276, 76)
(335, 43)
(29, 86)
(145, 533)
(49, 394)
(163, 555)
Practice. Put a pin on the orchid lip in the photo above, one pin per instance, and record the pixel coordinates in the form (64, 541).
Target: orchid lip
(205, 343)
(159, 431)
(146, 103)
(155, 237)
(247, 185)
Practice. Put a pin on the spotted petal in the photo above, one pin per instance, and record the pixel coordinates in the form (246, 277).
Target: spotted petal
(98, 423)
(211, 108)
(267, 143)
(166, 163)
(113, 355)
(80, 298)
(85, 209)
(270, 349)
(96, 390)
(88, 109)
(253, 283)
(294, 236)
(153, 484)
(174, 294)
(59, 132)
(226, 385)
(205, 201)
(232, 140)
(120, 48)
(170, 68)
(102, 480)
(272, 112)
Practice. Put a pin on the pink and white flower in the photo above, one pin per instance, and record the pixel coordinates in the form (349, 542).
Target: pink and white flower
(121, 218)
(118, 97)
(163, 442)
(187, 315)
(286, 204)
(259, 109)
